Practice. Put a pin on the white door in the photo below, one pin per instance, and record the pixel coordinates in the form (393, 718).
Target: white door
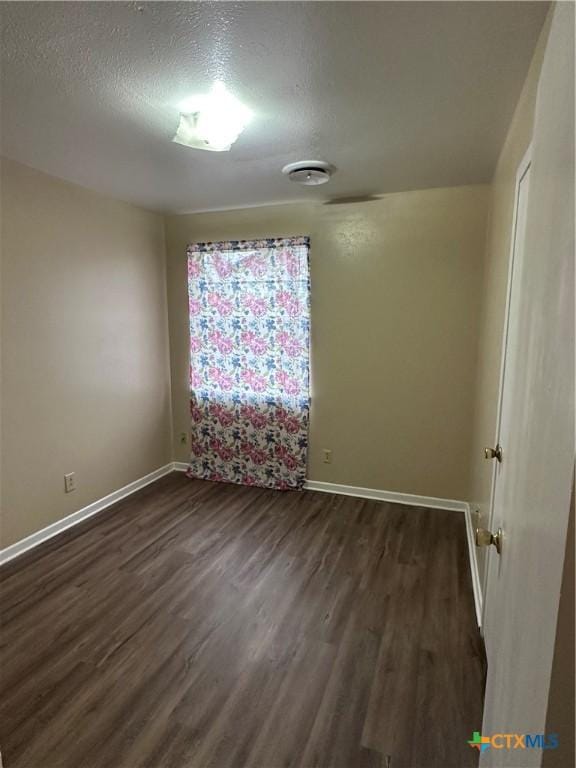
(533, 482)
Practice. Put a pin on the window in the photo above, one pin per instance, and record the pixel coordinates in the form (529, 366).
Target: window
(249, 361)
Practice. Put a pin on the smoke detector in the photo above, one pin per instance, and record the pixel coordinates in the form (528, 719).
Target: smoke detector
(310, 173)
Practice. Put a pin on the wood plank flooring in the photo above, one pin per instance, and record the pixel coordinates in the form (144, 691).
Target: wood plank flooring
(204, 625)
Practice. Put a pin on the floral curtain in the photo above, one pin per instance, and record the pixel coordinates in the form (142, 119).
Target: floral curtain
(249, 361)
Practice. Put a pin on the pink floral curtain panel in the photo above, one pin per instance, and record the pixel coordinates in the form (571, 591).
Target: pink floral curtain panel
(249, 361)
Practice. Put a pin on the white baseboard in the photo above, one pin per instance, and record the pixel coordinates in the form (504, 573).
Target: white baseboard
(17, 549)
(370, 493)
(472, 556)
(393, 496)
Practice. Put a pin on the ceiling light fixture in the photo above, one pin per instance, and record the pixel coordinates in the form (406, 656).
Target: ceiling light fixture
(310, 173)
(212, 121)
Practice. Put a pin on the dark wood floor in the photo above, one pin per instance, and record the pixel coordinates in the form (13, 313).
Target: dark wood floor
(198, 624)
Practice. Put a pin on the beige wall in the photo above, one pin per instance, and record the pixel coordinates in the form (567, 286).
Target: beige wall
(85, 375)
(395, 311)
(493, 289)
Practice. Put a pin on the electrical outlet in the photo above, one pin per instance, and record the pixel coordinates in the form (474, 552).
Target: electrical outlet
(70, 482)
(183, 438)
(327, 453)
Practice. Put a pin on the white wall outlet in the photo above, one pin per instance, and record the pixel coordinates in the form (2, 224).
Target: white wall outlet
(183, 438)
(70, 482)
(327, 456)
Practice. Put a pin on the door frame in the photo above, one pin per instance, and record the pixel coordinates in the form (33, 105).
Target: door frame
(523, 167)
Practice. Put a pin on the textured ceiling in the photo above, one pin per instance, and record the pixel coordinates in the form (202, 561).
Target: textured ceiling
(396, 95)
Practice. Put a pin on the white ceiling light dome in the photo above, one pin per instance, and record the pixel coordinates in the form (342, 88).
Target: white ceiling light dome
(310, 173)
(212, 121)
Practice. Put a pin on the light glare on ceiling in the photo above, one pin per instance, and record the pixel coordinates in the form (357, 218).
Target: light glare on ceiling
(212, 121)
